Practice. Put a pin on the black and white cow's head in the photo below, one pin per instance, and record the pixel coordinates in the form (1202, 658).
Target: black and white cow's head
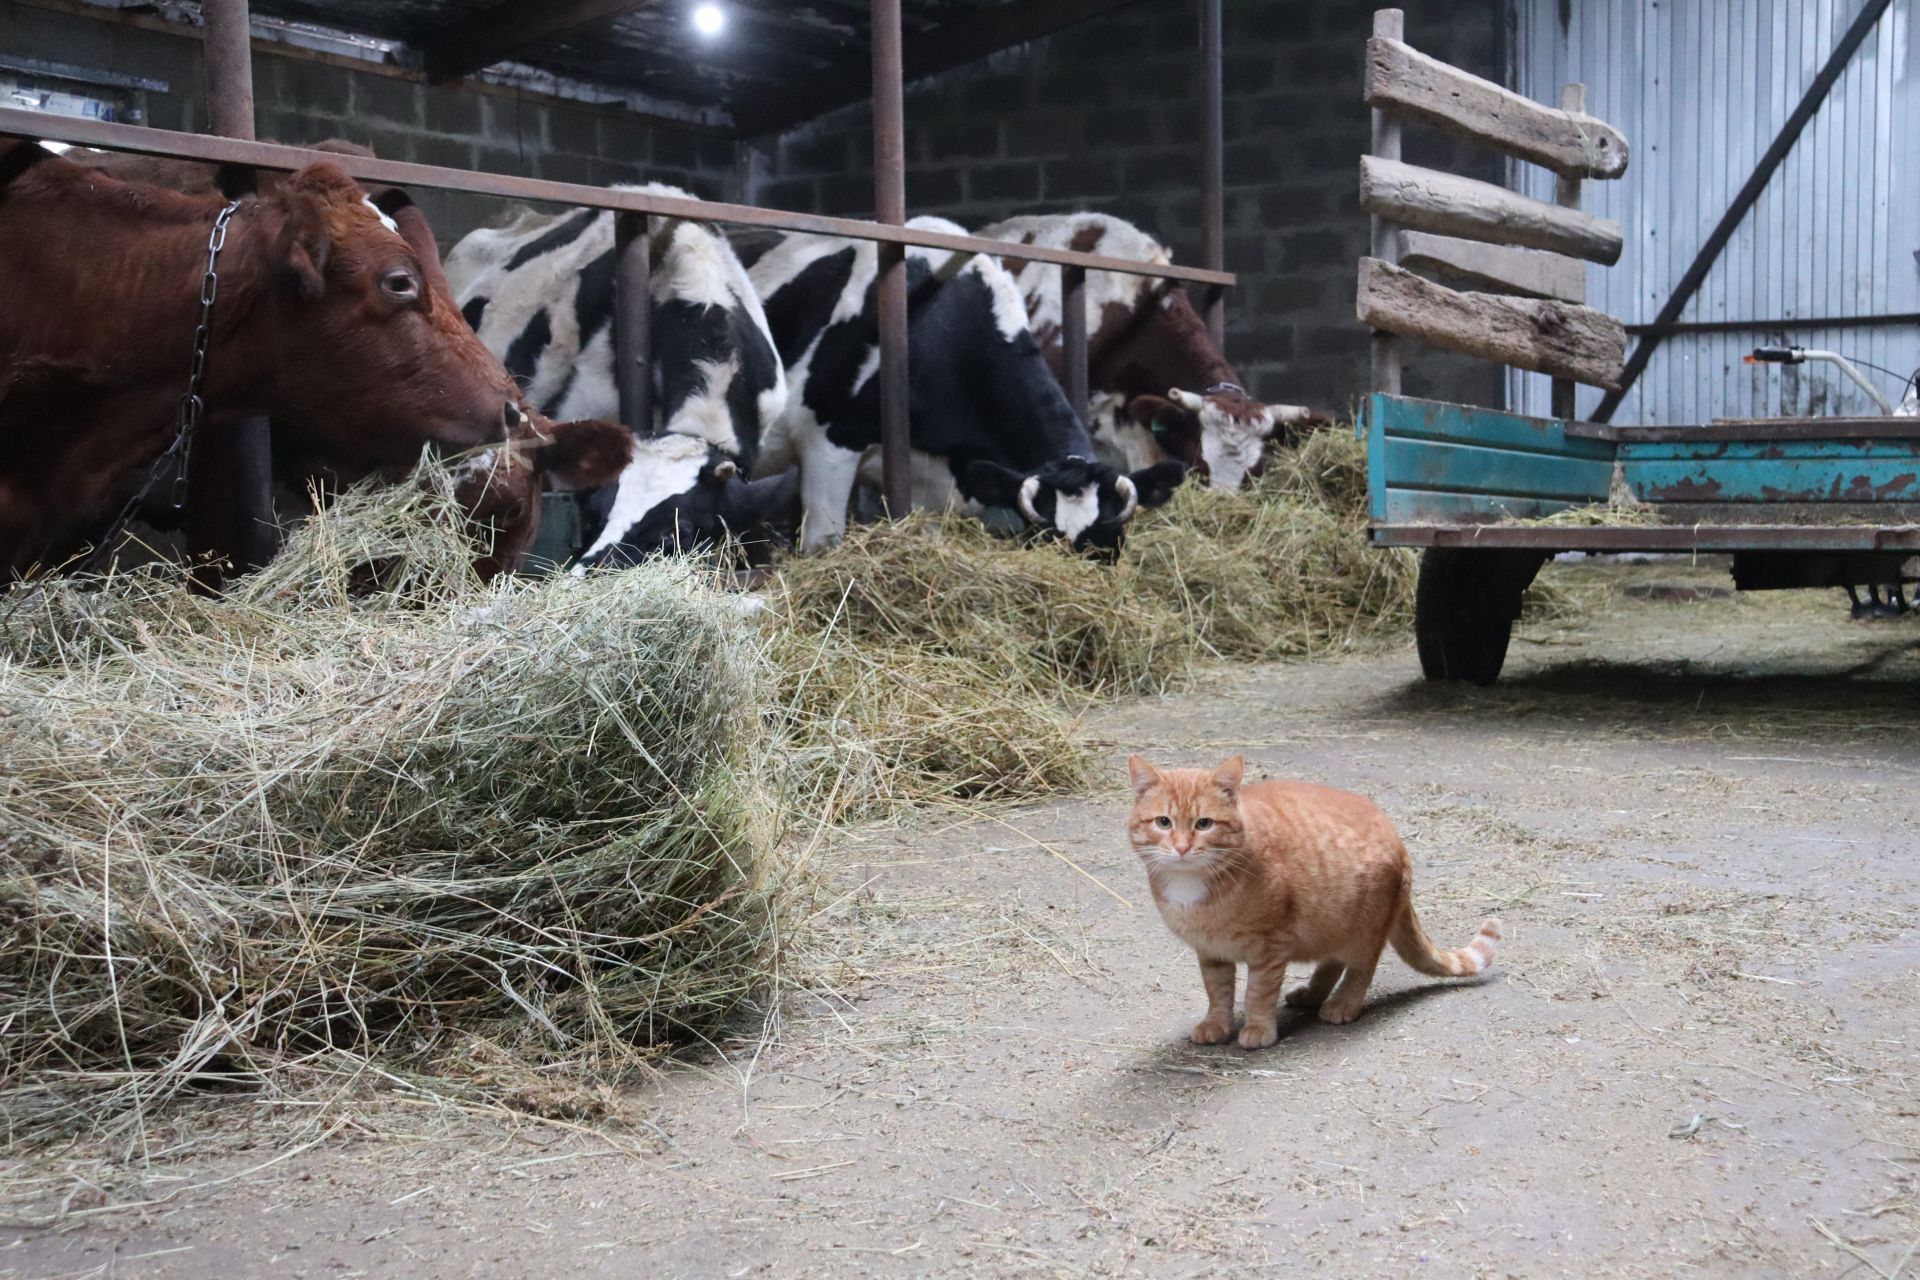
(681, 496)
(1082, 503)
(1145, 335)
(540, 293)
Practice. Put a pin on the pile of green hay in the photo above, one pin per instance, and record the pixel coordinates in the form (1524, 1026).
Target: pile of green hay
(343, 816)
(1282, 569)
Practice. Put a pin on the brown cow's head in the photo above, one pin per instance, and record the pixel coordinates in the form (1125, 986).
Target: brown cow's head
(1222, 428)
(370, 356)
(500, 489)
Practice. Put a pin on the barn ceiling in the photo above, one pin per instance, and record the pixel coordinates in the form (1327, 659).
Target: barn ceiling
(809, 54)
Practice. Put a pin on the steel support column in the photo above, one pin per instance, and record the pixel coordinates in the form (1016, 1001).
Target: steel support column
(890, 206)
(1213, 173)
(248, 463)
(1073, 338)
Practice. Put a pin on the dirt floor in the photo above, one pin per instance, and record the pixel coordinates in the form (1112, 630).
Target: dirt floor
(1698, 1055)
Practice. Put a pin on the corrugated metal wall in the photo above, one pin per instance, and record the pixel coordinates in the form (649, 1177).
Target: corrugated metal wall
(1700, 88)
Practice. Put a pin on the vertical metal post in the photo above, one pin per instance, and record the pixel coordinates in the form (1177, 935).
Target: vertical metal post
(249, 462)
(1213, 170)
(890, 206)
(633, 322)
(1566, 194)
(1073, 337)
(1388, 24)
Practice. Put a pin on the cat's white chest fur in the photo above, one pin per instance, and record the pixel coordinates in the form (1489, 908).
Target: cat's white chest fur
(1183, 891)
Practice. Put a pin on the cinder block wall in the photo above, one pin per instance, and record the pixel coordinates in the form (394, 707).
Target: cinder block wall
(1106, 116)
(304, 100)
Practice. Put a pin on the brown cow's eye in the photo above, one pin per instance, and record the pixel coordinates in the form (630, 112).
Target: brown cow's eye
(400, 286)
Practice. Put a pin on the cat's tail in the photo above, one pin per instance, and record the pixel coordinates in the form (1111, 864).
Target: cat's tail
(1410, 939)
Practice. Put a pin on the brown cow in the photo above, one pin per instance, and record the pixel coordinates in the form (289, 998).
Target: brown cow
(499, 488)
(326, 320)
(1170, 391)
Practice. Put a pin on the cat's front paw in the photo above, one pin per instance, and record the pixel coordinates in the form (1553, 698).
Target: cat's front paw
(1212, 1031)
(1252, 1037)
(1303, 997)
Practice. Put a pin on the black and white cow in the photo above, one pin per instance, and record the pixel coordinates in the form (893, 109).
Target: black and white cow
(539, 292)
(990, 425)
(1170, 391)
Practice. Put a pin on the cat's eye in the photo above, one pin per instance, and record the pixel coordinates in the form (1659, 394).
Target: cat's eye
(1163, 822)
(1204, 824)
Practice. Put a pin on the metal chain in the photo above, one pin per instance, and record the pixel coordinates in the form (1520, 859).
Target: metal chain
(191, 407)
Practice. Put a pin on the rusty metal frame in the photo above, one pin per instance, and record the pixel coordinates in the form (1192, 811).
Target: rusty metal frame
(245, 450)
(1703, 538)
(267, 155)
(888, 230)
(890, 288)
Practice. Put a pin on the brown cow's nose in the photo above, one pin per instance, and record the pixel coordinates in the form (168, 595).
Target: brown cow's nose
(511, 417)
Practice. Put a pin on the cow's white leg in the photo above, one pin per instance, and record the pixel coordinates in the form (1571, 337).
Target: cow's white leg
(827, 474)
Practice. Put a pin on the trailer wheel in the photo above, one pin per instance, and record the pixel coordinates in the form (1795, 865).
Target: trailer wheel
(1464, 610)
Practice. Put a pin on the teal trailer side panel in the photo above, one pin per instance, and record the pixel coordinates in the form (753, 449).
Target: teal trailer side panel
(1406, 419)
(1776, 480)
(1769, 450)
(1429, 462)
(1465, 468)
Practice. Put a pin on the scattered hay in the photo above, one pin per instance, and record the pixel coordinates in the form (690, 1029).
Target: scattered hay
(297, 830)
(947, 662)
(1282, 570)
(1596, 515)
(866, 729)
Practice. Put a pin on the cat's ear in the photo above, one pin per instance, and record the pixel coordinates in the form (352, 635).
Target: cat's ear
(1230, 774)
(1142, 775)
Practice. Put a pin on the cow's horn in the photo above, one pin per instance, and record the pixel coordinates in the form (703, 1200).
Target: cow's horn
(1124, 486)
(1027, 489)
(1187, 399)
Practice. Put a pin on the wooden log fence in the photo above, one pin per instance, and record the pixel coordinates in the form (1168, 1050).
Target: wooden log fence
(1482, 235)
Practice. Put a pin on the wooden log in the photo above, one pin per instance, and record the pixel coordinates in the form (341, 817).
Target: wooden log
(1527, 272)
(1571, 143)
(1428, 200)
(1555, 338)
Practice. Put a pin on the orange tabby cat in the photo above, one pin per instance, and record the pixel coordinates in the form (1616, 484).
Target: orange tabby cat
(1269, 873)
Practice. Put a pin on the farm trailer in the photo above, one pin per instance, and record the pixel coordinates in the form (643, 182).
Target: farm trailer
(1797, 503)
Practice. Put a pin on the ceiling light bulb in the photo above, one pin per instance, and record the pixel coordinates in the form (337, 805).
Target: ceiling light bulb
(709, 20)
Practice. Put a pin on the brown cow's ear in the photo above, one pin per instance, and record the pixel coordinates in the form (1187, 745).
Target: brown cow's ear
(311, 199)
(304, 260)
(584, 455)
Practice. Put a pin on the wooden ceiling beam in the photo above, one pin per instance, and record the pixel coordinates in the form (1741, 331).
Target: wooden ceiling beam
(511, 26)
(942, 48)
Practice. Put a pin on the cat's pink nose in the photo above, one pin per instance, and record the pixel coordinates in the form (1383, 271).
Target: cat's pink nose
(1183, 849)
